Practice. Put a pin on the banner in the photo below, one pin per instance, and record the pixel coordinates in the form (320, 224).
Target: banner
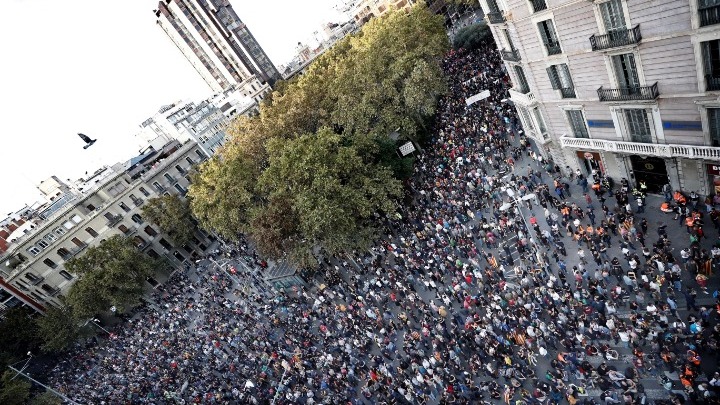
(480, 96)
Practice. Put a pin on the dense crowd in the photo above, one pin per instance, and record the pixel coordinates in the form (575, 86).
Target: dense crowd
(475, 295)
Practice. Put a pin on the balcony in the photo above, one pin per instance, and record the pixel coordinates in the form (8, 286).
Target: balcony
(567, 92)
(553, 48)
(629, 93)
(113, 220)
(615, 39)
(712, 83)
(512, 55)
(644, 149)
(138, 202)
(522, 96)
(709, 15)
(538, 5)
(496, 17)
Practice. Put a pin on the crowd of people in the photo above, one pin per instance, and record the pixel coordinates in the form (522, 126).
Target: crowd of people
(476, 295)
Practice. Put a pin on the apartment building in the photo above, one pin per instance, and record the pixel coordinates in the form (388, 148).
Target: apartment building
(32, 270)
(626, 87)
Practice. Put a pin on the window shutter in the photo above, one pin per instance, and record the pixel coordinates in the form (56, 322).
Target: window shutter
(554, 80)
(714, 122)
(565, 78)
(542, 27)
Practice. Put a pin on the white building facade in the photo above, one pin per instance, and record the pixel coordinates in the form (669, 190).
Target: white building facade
(32, 270)
(627, 87)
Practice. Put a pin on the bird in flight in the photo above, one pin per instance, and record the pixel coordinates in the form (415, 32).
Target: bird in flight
(88, 142)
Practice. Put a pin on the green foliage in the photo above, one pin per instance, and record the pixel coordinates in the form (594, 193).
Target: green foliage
(110, 274)
(58, 329)
(472, 36)
(331, 193)
(46, 398)
(316, 165)
(14, 391)
(172, 214)
(19, 333)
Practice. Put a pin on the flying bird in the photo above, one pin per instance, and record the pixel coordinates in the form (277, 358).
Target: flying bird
(88, 142)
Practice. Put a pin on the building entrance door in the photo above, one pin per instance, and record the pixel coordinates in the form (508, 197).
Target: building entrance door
(651, 170)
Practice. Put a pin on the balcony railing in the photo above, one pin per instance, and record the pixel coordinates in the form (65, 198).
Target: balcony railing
(138, 202)
(553, 48)
(614, 39)
(712, 83)
(538, 5)
(567, 92)
(645, 149)
(526, 97)
(512, 55)
(496, 17)
(114, 220)
(709, 15)
(629, 93)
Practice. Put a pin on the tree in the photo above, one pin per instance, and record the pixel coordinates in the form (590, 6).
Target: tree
(58, 329)
(472, 36)
(110, 274)
(172, 214)
(322, 187)
(19, 334)
(46, 398)
(14, 391)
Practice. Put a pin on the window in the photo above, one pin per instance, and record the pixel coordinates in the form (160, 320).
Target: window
(91, 232)
(51, 237)
(714, 124)
(561, 80)
(32, 277)
(200, 154)
(48, 290)
(59, 231)
(709, 12)
(169, 178)
(492, 4)
(638, 125)
(33, 250)
(50, 263)
(549, 37)
(179, 169)
(577, 123)
(613, 18)
(626, 72)
(527, 120)
(180, 189)
(78, 242)
(158, 187)
(538, 5)
(522, 84)
(711, 62)
(192, 163)
(509, 41)
(540, 120)
(66, 275)
(150, 231)
(124, 207)
(145, 192)
(91, 207)
(137, 219)
(64, 253)
(165, 244)
(42, 244)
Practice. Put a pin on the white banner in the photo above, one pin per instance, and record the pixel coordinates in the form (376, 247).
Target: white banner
(480, 96)
(407, 148)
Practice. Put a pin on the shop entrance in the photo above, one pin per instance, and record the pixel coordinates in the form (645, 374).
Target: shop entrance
(590, 161)
(651, 170)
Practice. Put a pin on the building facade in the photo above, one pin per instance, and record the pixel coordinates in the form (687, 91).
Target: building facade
(32, 270)
(216, 42)
(629, 88)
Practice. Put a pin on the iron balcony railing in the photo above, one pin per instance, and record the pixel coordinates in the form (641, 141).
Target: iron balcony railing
(553, 48)
(615, 39)
(496, 17)
(538, 5)
(567, 92)
(709, 15)
(512, 55)
(114, 220)
(629, 93)
(713, 83)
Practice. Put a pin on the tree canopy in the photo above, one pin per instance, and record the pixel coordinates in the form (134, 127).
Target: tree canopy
(172, 214)
(58, 329)
(317, 164)
(110, 274)
(472, 36)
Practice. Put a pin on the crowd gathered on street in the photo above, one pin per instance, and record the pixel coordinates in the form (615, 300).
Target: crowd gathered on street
(507, 279)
